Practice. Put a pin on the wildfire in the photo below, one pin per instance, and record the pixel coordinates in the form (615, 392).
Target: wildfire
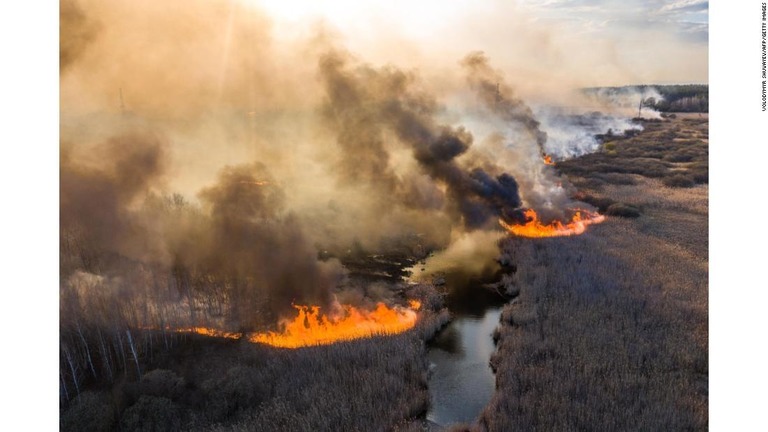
(548, 160)
(312, 328)
(207, 331)
(535, 228)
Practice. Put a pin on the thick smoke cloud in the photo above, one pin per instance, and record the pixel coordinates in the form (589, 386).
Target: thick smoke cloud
(515, 138)
(239, 158)
(256, 242)
(96, 198)
(76, 31)
(392, 103)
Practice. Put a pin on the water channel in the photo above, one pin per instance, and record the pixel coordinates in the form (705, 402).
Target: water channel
(461, 382)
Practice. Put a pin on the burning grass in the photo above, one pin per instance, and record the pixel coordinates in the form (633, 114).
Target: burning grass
(534, 227)
(220, 384)
(311, 328)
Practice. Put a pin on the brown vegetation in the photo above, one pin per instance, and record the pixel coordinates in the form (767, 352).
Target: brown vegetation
(609, 331)
(674, 150)
(225, 385)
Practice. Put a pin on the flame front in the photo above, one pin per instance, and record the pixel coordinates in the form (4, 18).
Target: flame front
(312, 328)
(535, 228)
(548, 160)
(207, 331)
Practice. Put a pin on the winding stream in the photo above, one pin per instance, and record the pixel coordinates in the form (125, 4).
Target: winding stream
(462, 382)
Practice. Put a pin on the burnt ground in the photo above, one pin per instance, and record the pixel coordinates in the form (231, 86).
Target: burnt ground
(368, 268)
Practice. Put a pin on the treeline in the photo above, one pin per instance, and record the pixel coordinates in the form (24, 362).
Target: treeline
(680, 98)
(118, 313)
(665, 98)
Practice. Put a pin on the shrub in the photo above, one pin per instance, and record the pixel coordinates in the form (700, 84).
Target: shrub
(700, 176)
(90, 411)
(700, 172)
(589, 183)
(161, 383)
(622, 210)
(151, 414)
(239, 388)
(617, 179)
(602, 203)
(679, 157)
(647, 167)
(679, 181)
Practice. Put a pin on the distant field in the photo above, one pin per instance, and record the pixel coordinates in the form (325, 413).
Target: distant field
(674, 151)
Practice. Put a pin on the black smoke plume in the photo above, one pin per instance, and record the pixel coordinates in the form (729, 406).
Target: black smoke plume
(255, 242)
(95, 199)
(367, 106)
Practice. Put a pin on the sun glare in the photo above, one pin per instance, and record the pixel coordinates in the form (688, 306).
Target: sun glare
(297, 10)
(416, 19)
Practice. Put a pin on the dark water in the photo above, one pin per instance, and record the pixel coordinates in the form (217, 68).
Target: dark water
(462, 382)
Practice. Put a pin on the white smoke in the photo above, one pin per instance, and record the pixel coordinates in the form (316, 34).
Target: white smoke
(624, 101)
(571, 134)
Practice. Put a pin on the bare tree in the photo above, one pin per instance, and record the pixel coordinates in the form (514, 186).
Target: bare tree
(133, 351)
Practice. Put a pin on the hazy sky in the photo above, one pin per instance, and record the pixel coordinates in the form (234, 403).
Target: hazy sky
(684, 19)
(579, 42)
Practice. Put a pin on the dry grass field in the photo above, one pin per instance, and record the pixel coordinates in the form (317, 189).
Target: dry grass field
(609, 331)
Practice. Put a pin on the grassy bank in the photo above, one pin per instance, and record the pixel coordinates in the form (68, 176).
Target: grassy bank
(609, 331)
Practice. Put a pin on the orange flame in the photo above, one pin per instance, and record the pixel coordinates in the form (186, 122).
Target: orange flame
(548, 160)
(535, 228)
(207, 331)
(311, 328)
